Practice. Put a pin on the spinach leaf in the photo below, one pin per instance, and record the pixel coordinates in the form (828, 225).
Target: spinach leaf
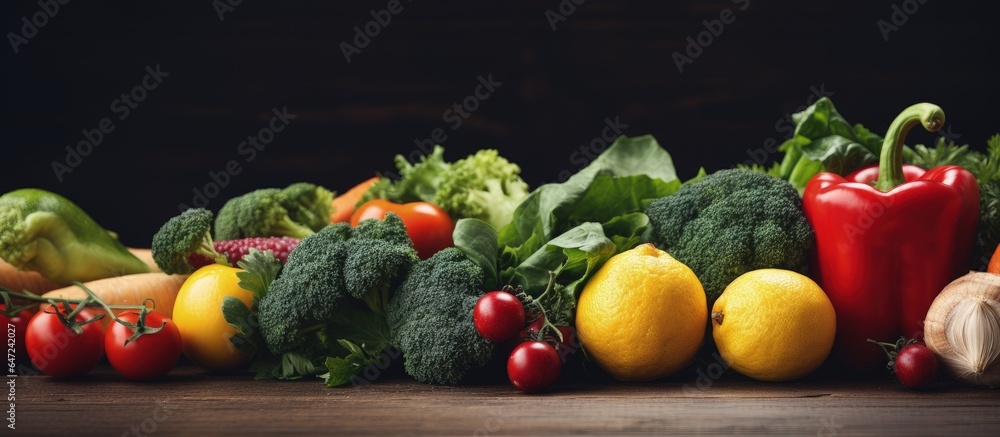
(478, 240)
(574, 227)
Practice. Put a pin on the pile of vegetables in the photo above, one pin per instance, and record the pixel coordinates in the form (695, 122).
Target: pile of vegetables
(458, 266)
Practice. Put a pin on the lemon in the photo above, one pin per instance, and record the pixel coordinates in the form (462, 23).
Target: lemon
(773, 325)
(642, 316)
(198, 315)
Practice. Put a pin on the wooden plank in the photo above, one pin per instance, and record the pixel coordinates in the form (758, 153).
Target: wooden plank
(192, 402)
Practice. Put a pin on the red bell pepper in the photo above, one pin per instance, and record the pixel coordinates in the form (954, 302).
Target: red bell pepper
(889, 240)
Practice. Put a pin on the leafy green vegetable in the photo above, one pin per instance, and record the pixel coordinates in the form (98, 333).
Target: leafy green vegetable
(577, 225)
(478, 241)
(49, 234)
(823, 141)
(483, 185)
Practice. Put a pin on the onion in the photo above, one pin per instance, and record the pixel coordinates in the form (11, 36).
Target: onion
(962, 328)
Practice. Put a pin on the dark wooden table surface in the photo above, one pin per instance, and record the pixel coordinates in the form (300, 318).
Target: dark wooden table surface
(192, 402)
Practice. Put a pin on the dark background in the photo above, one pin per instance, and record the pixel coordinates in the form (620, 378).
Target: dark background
(607, 59)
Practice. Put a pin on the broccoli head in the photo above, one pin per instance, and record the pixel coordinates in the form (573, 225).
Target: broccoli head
(485, 186)
(308, 204)
(731, 222)
(430, 319)
(181, 237)
(258, 213)
(336, 269)
(45, 232)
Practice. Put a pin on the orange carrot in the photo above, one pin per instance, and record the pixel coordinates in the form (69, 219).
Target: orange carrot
(146, 255)
(343, 205)
(129, 290)
(18, 280)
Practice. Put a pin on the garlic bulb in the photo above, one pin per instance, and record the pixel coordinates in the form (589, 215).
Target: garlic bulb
(962, 328)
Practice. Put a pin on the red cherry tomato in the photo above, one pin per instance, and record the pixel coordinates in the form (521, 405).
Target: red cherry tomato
(16, 326)
(533, 366)
(149, 356)
(531, 331)
(498, 316)
(428, 226)
(915, 366)
(58, 351)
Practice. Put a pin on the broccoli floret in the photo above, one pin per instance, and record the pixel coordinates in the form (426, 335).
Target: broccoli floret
(430, 319)
(257, 214)
(484, 186)
(336, 269)
(47, 233)
(182, 236)
(731, 222)
(308, 204)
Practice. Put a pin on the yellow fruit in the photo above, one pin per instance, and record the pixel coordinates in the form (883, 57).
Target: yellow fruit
(773, 325)
(642, 316)
(198, 315)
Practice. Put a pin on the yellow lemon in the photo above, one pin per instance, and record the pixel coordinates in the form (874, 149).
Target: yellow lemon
(642, 316)
(198, 315)
(773, 325)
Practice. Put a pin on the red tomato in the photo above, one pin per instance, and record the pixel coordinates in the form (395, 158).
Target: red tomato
(58, 351)
(427, 225)
(533, 366)
(149, 356)
(498, 316)
(15, 326)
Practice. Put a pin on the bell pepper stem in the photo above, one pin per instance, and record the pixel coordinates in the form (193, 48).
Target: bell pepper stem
(890, 166)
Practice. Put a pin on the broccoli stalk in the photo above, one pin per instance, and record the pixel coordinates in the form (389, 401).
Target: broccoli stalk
(258, 214)
(187, 234)
(47, 233)
(430, 319)
(731, 222)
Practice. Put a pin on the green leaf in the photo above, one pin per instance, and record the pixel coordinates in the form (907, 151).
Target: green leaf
(290, 366)
(260, 268)
(478, 240)
(240, 317)
(555, 208)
